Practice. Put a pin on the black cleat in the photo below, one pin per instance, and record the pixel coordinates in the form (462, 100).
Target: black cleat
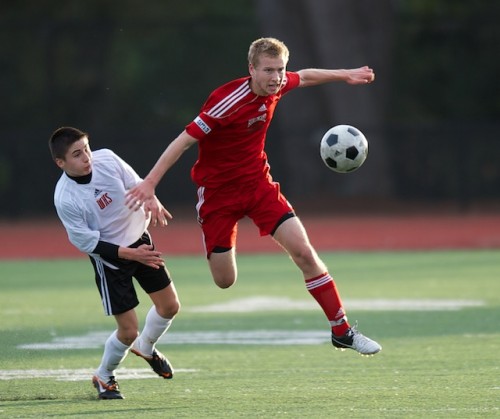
(158, 362)
(107, 391)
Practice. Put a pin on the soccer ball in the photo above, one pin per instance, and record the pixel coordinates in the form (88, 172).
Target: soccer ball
(343, 148)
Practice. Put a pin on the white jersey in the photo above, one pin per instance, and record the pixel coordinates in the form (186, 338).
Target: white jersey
(96, 211)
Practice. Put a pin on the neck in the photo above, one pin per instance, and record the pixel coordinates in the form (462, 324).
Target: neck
(82, 179)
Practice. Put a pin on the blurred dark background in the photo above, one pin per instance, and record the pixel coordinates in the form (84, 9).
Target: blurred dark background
(133, 74)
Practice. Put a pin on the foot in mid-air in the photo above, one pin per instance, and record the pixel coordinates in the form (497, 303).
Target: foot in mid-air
(158, 362)
(107, 390)
(353, 339)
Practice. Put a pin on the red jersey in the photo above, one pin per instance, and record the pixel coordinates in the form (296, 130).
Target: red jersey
(231, 132)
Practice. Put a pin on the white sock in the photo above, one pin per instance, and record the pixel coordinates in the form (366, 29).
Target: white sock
(114, 353)
(154, 328)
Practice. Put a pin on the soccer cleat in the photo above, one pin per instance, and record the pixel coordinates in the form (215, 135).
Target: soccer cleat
(107, 391)
(158, 362)
(353, 339)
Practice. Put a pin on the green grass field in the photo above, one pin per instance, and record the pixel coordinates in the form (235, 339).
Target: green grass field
(264, 353)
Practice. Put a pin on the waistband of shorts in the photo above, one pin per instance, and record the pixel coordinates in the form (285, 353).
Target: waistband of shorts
(144, 239)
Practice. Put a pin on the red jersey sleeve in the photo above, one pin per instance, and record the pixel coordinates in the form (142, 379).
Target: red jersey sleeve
(292, 81)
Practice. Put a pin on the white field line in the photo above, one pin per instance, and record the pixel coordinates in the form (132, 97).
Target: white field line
(95, 340)
(264, 303)
(82, 374)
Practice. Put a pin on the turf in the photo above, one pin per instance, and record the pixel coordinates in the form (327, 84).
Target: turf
(435, 363)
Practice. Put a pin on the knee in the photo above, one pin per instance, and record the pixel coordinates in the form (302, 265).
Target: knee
(223, 268)
(225, 281)
(303, 254)
(127, 336)
(306, 257)
(169, 311)
(173, 309)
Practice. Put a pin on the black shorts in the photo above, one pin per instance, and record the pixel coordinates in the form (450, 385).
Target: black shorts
(114, 280)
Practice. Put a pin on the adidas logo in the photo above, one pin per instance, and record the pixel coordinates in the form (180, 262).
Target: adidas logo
(97, 192)
(263, 108)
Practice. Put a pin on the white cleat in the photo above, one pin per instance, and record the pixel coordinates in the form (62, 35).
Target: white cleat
(353, 339)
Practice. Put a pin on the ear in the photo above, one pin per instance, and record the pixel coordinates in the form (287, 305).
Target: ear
(251, 69)
(60, 163)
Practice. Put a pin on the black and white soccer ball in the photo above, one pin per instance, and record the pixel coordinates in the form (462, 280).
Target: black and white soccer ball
(343, 148)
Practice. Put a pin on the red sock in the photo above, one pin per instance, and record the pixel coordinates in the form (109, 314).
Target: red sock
(324, 291)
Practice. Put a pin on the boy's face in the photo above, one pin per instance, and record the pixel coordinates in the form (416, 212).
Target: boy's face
(267, 75)
(78, 159)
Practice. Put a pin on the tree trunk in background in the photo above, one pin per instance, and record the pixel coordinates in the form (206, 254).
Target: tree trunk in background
(331, 34)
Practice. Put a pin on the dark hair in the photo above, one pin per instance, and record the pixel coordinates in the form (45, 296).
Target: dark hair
(62, 139)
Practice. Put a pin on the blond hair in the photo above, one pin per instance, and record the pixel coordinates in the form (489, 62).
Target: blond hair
(268, 46)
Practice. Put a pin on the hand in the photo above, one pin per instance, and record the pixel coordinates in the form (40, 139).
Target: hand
(147, 256)
(136, 196)
(362, 75)
(159, 215)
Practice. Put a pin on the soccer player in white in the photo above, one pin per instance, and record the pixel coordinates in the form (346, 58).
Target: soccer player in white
(90, 201)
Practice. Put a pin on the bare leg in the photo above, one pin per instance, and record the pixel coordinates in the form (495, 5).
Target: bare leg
(292, 236)
(166, 301)
(223, 268)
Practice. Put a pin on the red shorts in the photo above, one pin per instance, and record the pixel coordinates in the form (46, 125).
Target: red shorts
(220, 209)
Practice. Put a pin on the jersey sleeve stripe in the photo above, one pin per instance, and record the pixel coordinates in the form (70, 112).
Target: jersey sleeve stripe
(218, 110)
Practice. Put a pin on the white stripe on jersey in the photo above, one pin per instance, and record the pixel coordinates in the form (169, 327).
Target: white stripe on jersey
(218, 110)
(318, 282)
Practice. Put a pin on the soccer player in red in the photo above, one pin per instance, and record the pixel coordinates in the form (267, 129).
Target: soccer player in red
(233, 178)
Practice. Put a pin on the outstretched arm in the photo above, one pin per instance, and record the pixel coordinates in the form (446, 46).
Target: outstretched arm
(146, 189)
(159, 214)
(315, 76)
